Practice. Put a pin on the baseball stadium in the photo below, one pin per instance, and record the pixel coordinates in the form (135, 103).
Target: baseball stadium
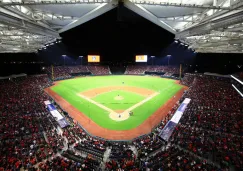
(121, 85)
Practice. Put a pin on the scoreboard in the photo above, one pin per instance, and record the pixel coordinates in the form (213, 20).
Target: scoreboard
(93, 58)
(141, 58)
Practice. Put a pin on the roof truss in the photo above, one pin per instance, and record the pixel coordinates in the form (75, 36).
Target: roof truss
(215, 26)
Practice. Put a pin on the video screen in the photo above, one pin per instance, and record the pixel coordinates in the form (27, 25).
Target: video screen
(93, 58)
(141, 58)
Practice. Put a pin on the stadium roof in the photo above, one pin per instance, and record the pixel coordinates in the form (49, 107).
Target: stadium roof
(207, 26)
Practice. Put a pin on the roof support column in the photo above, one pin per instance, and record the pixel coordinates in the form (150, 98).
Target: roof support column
(91, 15)
(148, 15)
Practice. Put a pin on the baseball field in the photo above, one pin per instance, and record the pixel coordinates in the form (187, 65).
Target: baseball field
(115, 102)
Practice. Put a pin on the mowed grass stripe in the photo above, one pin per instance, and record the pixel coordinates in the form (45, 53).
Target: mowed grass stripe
(69, 89)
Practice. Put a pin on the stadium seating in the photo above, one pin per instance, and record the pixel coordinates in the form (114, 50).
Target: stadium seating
(58, 72)
(208, 136)
(136, 69)
(99, 70)
(65, 72)
(78, 69)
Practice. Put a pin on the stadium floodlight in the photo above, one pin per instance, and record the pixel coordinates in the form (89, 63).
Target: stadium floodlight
(168, 59)
(81, 60)
(176, 41)
(64, 57)
(152, 59)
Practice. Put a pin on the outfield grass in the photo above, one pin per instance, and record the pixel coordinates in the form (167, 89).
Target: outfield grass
(69, 90)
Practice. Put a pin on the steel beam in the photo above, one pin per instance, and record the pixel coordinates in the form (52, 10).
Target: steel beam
(176, 19)
(219, 43)
(234, 29)
(204, 28)
(53, 2)
(148, 15)
(167, 4)
(216, 13)
(91, 15)
(27, 25)
(32, 27)
(220, 51)
(16, 11)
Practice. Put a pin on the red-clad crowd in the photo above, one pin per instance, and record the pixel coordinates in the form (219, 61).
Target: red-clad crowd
(212, 125)
(208, 136)
(122, 158)
(167, 70)
(22, 116)
(65, 72)
(58, 72)
(173, 158)
(99, 70)
(29, 134)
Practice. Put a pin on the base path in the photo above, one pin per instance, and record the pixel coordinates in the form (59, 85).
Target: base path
(94, 129)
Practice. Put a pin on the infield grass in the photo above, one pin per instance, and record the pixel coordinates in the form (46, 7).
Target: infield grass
(69, 90)
(108, 99)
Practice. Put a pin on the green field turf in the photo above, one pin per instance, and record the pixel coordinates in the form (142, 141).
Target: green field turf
(107, 99)
(69, 90)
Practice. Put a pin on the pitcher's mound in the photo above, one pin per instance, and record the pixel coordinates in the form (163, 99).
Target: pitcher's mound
(118, 98)
(119, 115)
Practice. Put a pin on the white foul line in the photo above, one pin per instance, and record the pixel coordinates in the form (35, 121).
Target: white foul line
(129, 109)
(142, 102)
(98, 104)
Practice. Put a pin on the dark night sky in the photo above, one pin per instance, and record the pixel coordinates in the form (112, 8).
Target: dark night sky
(119, 34)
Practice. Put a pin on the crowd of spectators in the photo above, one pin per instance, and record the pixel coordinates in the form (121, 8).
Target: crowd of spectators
(173, 158)
(188, 79)
(22, 116)
(77, 69)
(208, 136)
(29, 136)
(99, 69)
(212, 125)
(166, 70)
(58, 72)
(65, 72)
(134, 69)
(121, 158)
(69, 161)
